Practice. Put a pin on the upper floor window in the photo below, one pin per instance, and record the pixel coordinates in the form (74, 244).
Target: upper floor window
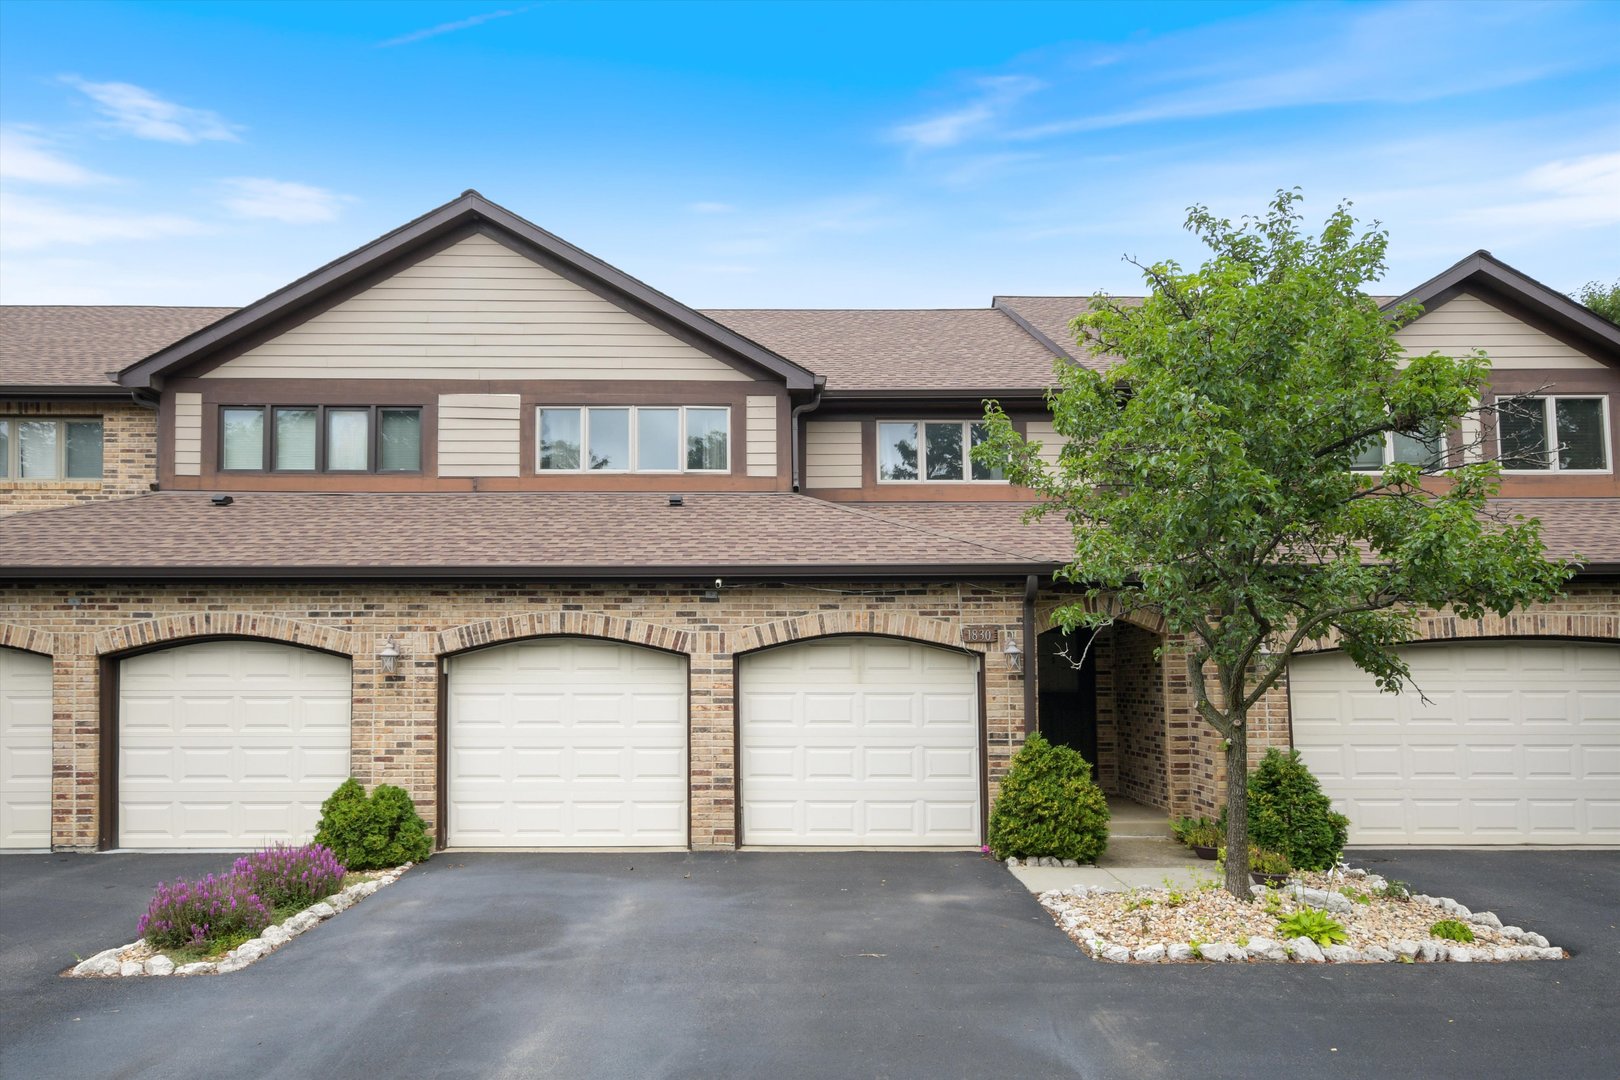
(935, 450)
(1554, 434)
(50, 449)
(1427, 450)
(320, 438)
(635, 438)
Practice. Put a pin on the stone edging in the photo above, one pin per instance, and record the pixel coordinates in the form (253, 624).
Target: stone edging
(112, 963)
(1529, 946)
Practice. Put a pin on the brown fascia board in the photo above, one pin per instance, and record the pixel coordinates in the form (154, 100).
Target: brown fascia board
(468, 209)
(860, 571)
(107, 391)
(891, 397)
(996, 302)
(1483, 268)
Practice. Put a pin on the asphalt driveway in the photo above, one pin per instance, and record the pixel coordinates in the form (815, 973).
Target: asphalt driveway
(784, 965)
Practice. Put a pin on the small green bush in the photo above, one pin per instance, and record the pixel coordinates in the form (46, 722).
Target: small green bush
(1289, 813)
(1452, 930)
(1049, 806)
(373, 834)
(1313, 924)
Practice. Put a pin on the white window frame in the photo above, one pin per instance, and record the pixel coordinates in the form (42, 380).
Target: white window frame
(1549, 418)
(922, 452)
(1443, 454)
(13, 463)
(635, 442)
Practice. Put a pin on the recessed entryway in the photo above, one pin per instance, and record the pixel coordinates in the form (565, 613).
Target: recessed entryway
(228, 744)
(566, 742)
(860, 742)
(25, 749)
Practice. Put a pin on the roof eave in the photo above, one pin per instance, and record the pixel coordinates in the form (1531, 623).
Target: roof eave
(708, 572)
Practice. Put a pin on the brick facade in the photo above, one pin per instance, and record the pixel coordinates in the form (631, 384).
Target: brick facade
(129, 455)
(395, 718)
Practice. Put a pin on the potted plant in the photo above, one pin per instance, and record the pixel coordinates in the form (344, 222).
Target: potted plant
(1200, 834)
(1268, 867)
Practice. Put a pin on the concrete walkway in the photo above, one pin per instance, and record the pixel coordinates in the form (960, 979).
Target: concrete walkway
(1142, 854)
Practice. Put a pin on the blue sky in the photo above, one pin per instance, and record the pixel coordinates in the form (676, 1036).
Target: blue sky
(793, 155)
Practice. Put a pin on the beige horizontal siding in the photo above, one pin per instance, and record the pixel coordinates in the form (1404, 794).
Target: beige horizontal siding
(480, 434)
(761, 436)
(1045, 433)
(1466, 322)
(832, 454)
(476, 310)
(187, 434)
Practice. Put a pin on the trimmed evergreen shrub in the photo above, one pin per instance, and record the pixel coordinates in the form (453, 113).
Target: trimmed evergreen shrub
(376, 833)
(1289, 813)
(1049, 806)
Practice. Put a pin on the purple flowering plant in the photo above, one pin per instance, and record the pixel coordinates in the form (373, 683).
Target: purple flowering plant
(242, 902)
(282, 875)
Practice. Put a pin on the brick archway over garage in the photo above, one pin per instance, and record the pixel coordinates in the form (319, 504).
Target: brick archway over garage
(476, 635)
(13, 636)
(1445, 626)
(833, 623)
(211, 624)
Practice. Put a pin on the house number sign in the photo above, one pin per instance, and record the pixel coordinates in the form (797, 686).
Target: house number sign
(980, 634)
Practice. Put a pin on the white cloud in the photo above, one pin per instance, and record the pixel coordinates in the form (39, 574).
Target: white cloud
(281, 200)
(997, 94)
(29, 158)
(1582, 192)
(450, 27)
(28, 223)
(137, 111)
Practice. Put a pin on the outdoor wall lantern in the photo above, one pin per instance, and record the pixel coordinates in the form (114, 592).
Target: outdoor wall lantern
(388, 656)
(1014, 655)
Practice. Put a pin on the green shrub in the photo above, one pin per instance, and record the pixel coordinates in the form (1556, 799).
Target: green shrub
(1196, 832)
(1452, 930)
(1289, 813)
(1313, 924)
(1049, 806)
(373, 834)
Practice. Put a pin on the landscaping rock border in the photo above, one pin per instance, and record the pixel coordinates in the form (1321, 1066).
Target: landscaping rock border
(139, 958)
(1525, 945)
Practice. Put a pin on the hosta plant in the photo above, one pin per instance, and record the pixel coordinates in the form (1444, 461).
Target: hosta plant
(196, 912)
(285, 876)
(1313, 924)
(1452, 930)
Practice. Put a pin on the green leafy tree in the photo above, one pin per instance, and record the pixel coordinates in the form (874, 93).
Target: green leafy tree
(1601, 298)
(1208, 474)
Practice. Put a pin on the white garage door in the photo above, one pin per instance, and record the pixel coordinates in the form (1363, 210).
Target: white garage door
(1520, 746)
(229, 744)
(25, 749)
(567, 742)
(851, 742)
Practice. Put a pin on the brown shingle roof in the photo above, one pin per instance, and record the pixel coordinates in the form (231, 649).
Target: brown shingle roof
(1589, 528)
(545, 534)
(77, 346)
(945, 349)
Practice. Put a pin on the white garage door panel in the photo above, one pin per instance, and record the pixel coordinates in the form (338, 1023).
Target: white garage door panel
(229, 743)
(853, 742)
(25, 749)
(567, 742)
(1521, 744)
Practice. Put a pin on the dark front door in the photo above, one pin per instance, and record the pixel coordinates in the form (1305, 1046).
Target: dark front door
(1068, 694)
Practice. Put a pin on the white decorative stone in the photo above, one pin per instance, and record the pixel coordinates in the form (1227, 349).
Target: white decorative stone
(300, 922)
(322, 910)
(1179, 952)
(1378, 953)
(1265, 949)
(250, 951)
(1459, 954)
(1117, 954)
(1486, 918)
(1258, 890)
(1307, 951)
(105, 962)
(1512, 933)
(1071, 864)
(1430, 951)
(1220, 952)
(159, 965)
(1341, 954)
(1355, 871)
(1151, 954)
(1375, 883)
(131, 967)
(1550, 952)
(201, 967)
(1406, 947)
(1012, 861)
(230, 964)
(1536, 939)
(1501, 952)
(275, 936)
(1523, 952)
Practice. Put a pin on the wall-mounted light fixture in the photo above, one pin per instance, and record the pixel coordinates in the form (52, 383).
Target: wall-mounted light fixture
(1014, 655)
(388, 657)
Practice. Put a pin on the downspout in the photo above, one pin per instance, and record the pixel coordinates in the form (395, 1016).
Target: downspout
(793, 432)
(1031, 652)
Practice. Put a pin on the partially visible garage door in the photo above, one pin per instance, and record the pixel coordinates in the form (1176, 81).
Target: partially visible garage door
(567, 742)
(852, 741)
(1520, 746)
(229, 744)
(25, 749)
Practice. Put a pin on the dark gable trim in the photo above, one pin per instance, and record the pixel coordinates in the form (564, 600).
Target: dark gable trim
(996, 302)
(1500, 284)
(471, 212)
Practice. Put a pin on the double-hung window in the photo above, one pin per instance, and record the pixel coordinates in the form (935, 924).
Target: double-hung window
(931, 450)
(1427, 450)
(1554, 434)
(634, 438)
(39, 449)
(320, 438)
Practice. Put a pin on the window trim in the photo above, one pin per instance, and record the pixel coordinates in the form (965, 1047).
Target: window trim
(267, 462)
(13, 462)
(634, 441)
(1549, 419)
(922, 451)
(1442, 456)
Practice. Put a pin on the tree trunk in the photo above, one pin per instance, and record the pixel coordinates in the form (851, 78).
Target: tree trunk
(1237, 807)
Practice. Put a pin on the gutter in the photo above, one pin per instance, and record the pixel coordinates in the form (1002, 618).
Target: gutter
(793, 432)
(1031, 652)
(703, 574)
